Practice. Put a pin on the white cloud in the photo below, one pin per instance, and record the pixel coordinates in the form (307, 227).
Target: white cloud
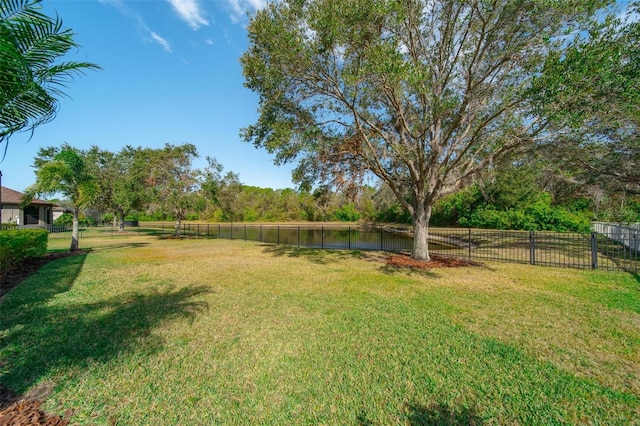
(190, 12)
(125, 10)
(161, 41)
(209, 42)
(239, 8)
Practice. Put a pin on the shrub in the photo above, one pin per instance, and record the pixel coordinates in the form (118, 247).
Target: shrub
(539, 216)
(19, 244)
(347, 213)
(65, 219)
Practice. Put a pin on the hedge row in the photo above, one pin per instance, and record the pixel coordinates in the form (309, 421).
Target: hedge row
(19, 244)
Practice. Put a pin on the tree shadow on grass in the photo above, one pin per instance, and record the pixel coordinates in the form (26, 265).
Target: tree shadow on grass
(442, 414)
(56, 276)
(412, 272)
(119, 246)
(436, 414)
(318, 256)
(41, 338)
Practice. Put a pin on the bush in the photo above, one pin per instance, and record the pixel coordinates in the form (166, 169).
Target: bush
(65, 219)
(539, 216)
(20, 244)
(347, 213)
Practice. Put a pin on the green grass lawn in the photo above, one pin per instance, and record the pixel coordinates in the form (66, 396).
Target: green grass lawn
(148, 331)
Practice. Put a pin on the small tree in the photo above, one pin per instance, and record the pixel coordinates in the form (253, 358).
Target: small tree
(64, 170)
(122, 188)
(229, 198)
(173, 180)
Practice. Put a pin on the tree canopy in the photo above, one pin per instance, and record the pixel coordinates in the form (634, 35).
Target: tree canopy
(591, 93)
(423, 94)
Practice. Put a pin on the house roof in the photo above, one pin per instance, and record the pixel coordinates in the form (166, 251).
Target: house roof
(9, 196)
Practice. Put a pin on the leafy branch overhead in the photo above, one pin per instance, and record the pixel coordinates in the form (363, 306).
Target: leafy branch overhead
(32, 74)
(591, 93)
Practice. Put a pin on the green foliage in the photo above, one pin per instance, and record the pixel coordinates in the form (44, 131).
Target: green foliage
(590, 94)
(450, 210)
(31, 74)
(347, 213)
(19, 244)
(107, 218)
(65, 219)
(539, 216)
(125, 175)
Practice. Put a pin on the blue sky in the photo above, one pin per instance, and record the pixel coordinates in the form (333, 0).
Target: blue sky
(171, 74)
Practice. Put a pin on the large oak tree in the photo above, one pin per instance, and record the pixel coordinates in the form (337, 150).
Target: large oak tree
(423, 94)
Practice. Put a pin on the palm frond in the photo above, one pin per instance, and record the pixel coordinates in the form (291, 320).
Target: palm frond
(31, 74)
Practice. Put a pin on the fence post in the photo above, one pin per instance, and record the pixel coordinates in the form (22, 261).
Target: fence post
(349, 238)
(322, 237)
(278, 241)
(260, 233)
(594, 250)
(381, 239)
(532, 248)
(219, 231)
(469, 243)
(636, 249)
(208, 231)
(245, 232)
(298, 237)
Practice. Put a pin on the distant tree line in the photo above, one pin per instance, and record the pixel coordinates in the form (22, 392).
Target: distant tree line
(163, 184)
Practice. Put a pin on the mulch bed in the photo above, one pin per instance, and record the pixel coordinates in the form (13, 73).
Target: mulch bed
(23, 410)
(14, 276)
(28, 412)
(405, 261)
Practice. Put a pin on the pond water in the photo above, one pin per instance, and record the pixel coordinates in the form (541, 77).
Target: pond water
(344, 238)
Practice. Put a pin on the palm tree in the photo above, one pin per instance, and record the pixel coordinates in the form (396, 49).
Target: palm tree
(31, 76)
(64, 170)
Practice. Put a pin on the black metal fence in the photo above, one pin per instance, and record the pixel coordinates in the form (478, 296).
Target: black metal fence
(572, 250)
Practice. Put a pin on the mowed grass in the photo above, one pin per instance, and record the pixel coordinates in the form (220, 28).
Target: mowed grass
(148, 331)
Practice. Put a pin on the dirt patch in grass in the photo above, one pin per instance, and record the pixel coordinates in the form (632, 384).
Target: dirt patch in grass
(19, 410)
(406, 261)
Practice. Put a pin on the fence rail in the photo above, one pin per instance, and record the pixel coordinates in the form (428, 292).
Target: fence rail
(604, 248)
(595, 250)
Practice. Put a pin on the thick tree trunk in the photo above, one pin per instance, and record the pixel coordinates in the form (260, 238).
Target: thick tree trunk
(176, 230)
(120, 221)
(74, 230)
(421, 219)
